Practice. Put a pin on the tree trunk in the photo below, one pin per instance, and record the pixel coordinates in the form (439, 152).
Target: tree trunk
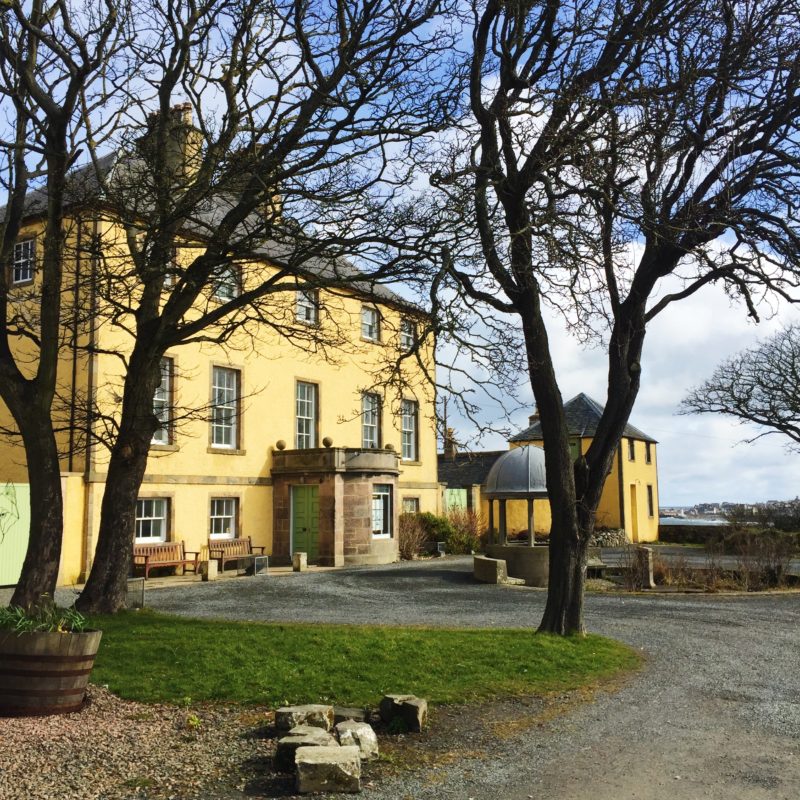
(42, 559)
(106, 588)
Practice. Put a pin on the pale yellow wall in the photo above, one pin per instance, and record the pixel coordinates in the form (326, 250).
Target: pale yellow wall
(635, 473)
(639, 474)
(189, 471)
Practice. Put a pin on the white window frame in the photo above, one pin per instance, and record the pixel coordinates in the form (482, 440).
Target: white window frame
(382, 494)
(370, 324)
(306, 401)
(152, 513)
(223, 521)
(408, 334)
(307, 306)
(162, 403)
(23, 267)
(411, 505)
(227, 285)
(370, 421)
(409, 429)
(225, 401)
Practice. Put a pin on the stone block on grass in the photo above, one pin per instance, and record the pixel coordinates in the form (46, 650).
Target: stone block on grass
(344, 713)
(328, 769)
(318, 716)
(411, 709)
(359, 734)
(302, 736)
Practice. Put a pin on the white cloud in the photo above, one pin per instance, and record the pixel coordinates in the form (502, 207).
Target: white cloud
(700, 458)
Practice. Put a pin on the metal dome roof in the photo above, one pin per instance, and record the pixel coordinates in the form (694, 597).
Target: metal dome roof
(519, 473)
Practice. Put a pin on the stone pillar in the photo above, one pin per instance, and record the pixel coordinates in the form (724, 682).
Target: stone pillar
(491, 521)
(299, 562)
(531, 536)
(503, 530)
(644, 566)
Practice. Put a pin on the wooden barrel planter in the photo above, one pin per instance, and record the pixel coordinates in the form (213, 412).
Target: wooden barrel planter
(45, 673)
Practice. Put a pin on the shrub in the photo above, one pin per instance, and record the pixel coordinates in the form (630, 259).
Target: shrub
(437, 529)
(412, 536)
(466, 535)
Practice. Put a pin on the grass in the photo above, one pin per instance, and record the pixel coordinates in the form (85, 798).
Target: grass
(156, 658)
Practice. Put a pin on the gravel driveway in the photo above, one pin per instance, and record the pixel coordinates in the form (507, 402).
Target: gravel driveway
(714, 714)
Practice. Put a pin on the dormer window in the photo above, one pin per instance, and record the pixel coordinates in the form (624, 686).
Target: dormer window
(24, 264)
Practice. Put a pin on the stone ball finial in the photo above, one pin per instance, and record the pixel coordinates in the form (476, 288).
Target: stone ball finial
(390, 447)
(280, 444)
(327, 441)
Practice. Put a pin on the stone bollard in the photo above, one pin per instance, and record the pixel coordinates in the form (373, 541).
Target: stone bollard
(300, 562)
(644, 566)
(209, 570)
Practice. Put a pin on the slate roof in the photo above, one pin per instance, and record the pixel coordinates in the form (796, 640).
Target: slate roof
(583, 414)
(84, 187)
(466, 469)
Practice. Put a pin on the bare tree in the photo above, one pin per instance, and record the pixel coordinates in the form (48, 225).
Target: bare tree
(49, 62)
(274, 175)
(760, 385)
(615, 160)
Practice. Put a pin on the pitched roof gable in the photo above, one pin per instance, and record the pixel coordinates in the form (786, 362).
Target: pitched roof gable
(583, 415)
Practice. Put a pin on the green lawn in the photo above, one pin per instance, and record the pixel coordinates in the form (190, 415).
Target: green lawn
(152, 657)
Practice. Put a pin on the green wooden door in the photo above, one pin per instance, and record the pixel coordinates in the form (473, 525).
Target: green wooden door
(15, 520)
(305, 521)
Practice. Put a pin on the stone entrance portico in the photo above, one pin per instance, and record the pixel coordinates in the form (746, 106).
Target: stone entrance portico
(347, 481)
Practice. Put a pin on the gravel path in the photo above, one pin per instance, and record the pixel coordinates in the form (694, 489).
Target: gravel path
(715, 713)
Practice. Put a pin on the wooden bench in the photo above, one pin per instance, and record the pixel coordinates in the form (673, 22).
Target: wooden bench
(224, 550)
(163, 554)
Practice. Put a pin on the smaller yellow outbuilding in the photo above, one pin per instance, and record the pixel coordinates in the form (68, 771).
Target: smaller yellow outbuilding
(630, 496)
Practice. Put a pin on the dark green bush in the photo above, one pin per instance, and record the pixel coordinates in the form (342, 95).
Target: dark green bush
(437, 529)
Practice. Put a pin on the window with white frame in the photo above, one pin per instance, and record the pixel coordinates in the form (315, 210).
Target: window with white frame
(308, 306)
(382, 510)
(227, 284)
(408, 334)
(370, 421)
(152, 519)
(24, 263)
(306, 416)
(648, 453)
(162, 404)
(408, 430)
(370, 324)
(225, 398)
(411, 505)
(224, 520)
(651, 505)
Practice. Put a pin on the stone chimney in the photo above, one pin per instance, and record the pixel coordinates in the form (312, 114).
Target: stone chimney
(450, 446)
(533, 418)
(240, 167)
(184, 143)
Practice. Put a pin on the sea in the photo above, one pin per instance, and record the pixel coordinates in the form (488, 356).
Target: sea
(691, 521)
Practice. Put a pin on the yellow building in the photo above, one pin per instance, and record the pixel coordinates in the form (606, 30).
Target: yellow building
(287, 434)
(630, 496)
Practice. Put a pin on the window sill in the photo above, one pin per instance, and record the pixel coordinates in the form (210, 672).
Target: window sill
(164, 448)
(371, 341)
(410, 463)
(381, 535)
(225, 451)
